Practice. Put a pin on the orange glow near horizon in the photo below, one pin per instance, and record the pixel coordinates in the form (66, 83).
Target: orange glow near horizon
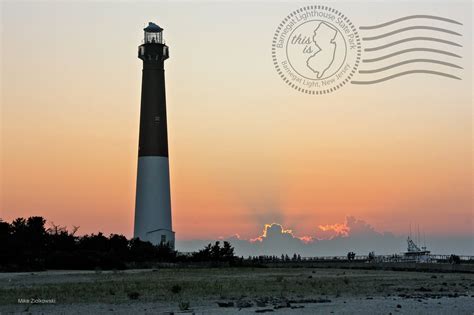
(339, 229)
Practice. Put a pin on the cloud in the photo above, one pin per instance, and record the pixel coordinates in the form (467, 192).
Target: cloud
(330, 231)
(274, 237)
(351, 227)
(328, 240)
(358, 227)
(273, 231)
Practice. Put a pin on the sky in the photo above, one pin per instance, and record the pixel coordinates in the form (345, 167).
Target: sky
(246, 150)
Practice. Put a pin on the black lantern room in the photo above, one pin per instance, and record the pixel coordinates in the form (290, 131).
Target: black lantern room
(153, 34)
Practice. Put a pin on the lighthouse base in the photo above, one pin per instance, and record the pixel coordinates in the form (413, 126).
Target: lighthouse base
(153, 203)
(161, 237)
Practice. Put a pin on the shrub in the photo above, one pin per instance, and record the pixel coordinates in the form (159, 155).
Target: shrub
(133, 295)
(26, 245)
(183, 306)
(176, 289)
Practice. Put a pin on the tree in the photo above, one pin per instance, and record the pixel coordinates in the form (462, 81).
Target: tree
(165, 252)
(216, 253)
(36, 233)
(25, 244)
(61, 240)
(5, 239)
(142, 251)
(19, 231)
(203, 254)
(94, 242)
(4, 232)
(227, 252)
(119, 245)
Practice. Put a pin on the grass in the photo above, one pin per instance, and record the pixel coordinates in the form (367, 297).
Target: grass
(213, 283)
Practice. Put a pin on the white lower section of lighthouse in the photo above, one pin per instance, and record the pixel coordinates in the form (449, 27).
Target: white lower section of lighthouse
(153, 201)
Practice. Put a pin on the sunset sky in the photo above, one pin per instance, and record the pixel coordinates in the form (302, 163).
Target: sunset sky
(245, 149)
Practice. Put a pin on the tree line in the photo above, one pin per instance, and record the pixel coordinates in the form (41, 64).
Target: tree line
(26, 244)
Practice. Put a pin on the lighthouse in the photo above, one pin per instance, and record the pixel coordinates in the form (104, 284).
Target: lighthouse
(153, 200)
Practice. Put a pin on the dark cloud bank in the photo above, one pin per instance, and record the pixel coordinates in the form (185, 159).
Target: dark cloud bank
(331, 240)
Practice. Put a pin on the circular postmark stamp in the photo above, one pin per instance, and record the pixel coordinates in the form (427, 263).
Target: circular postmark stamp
(316, 49)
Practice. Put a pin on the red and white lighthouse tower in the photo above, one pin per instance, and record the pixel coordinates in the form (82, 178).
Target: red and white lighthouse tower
(153, 201)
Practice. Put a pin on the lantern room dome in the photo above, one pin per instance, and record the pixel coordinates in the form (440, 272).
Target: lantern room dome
(152, 28)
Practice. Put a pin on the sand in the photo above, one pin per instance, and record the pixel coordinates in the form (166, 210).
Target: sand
(237, 291)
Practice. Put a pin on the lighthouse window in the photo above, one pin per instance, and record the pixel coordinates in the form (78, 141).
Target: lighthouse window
(153, 37)
(163, 239)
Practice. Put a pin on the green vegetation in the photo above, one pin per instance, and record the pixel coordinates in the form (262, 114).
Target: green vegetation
(26, 245)
(191, 284)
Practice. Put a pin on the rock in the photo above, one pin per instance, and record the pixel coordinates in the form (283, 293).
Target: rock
(399, 306)
(244, 304)
(225, 304)
(133, 295)
(282, 305)
(262, 302)
(310, 301)
(297, 306)
(264, 310)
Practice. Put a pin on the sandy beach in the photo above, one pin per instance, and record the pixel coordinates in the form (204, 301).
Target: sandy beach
(237, 291)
